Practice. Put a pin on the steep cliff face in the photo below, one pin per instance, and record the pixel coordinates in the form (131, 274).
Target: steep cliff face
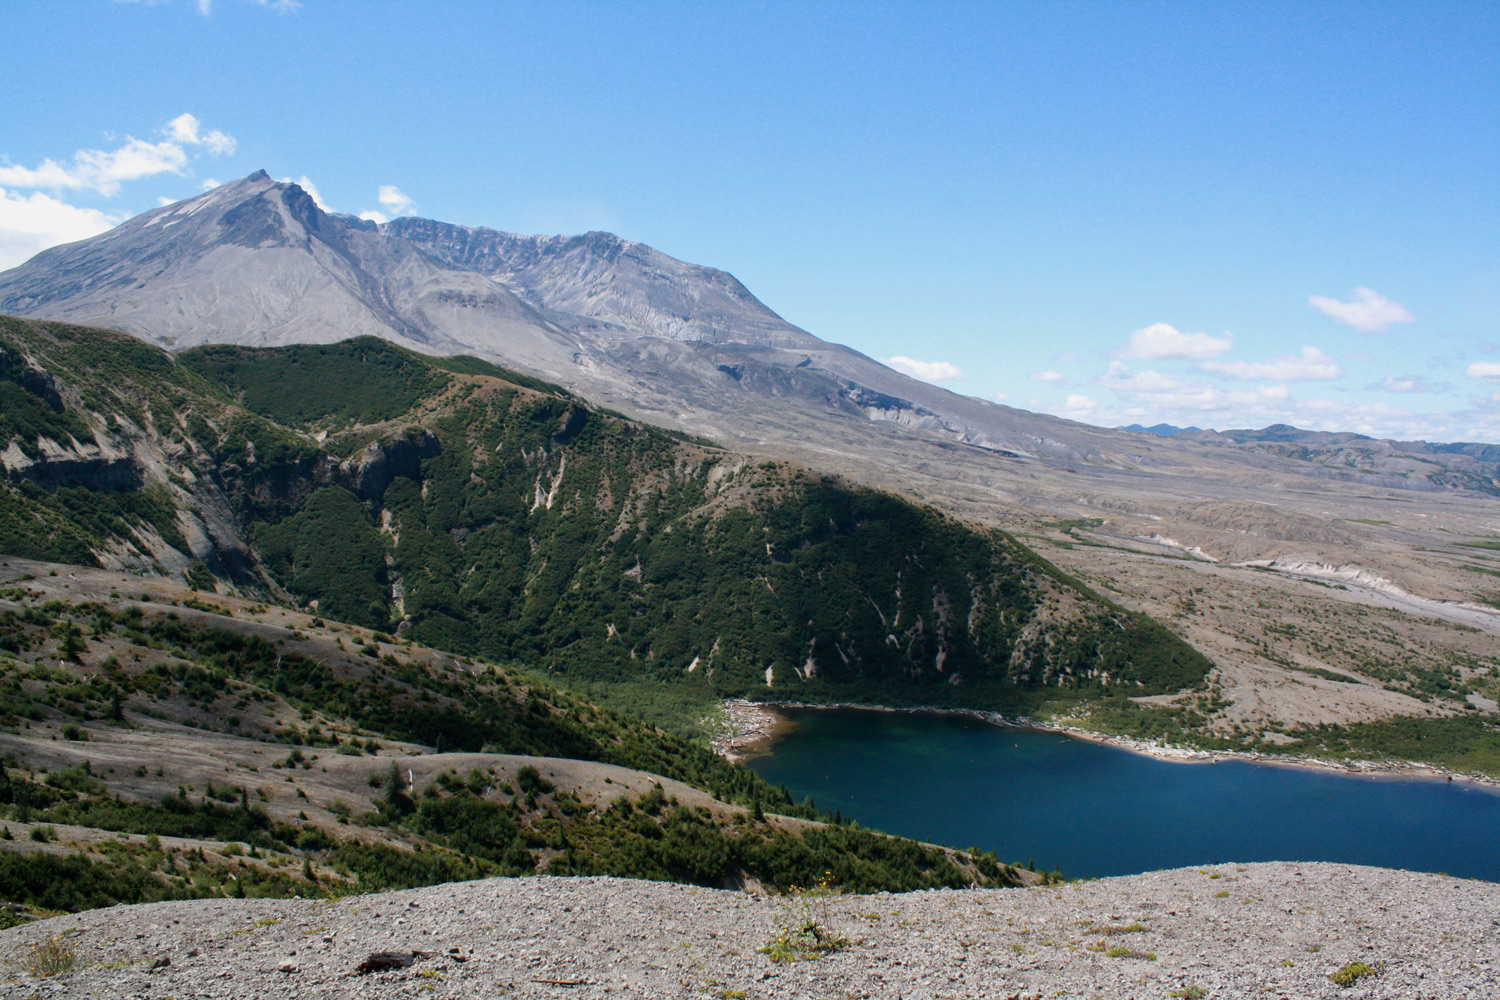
(488, 513)
(599, 278)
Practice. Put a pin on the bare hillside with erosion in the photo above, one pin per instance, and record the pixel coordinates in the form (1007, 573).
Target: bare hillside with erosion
(1278, 930)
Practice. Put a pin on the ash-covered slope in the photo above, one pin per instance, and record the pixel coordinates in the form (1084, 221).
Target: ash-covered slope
(1273, 930)
(600, 283)
(256, 262)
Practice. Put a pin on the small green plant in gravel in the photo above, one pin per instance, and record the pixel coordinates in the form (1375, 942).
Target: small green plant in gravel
(1190, 992)
(1352, 973)
(801, 934)
(52, 957)
(800, 937)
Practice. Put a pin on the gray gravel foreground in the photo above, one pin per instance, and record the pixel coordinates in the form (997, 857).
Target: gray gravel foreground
(1233, 931)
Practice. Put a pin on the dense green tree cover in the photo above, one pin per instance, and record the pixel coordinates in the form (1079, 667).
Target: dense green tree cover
(68, 523)
(330, 548)
(534, 530)
(365, 380)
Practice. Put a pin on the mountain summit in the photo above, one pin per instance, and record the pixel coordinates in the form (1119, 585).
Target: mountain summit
(257, 263)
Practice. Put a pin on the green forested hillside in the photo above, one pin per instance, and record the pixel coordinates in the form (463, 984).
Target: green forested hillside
(486, 513)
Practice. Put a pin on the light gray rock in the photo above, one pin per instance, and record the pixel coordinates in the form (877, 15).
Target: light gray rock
(1254, 930)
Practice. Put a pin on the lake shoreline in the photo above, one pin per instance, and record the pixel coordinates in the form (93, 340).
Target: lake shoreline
(755, 725)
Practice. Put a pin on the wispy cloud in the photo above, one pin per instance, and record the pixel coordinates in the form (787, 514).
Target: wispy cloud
(1079, 407)
(1150, 397)
(1410, 383)
(30, 223)
(927, 371)
(104, 171)
(395, 203)
(206, 7)
(185, 129)
(1309, 365)
(393, 199)
(1368, 311)
(1161, 341)
(1047, 376)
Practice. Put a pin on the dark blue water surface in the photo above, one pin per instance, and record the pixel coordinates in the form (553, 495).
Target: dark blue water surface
(1094, 810)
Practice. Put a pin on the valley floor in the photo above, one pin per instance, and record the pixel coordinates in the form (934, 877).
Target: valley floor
(1258, 930)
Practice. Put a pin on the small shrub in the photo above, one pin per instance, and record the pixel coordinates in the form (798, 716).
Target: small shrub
(52, 957)
(43, 834)
(800, 935)
(1190, 992)
(1351, 974)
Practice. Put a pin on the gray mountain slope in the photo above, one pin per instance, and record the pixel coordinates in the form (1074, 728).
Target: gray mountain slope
(600, 282)
(257, 263)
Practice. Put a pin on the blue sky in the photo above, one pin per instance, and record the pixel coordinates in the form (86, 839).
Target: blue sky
(1217, 214)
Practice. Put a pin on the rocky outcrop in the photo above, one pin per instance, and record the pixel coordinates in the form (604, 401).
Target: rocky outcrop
(97, 467)
(380, 462)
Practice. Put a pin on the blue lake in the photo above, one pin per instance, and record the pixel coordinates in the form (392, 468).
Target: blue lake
(1094, 810)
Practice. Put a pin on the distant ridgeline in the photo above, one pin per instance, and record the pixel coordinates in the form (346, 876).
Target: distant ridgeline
(481, 511)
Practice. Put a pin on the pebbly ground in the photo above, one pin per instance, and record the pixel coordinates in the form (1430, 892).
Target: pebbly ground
(1223, 931)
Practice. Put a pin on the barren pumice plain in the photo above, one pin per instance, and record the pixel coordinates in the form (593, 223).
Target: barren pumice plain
(1282, 930)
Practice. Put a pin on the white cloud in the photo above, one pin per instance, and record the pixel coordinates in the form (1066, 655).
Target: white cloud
(1047, 376)
(1308, 365)
(184, 129)
(394, 200)
(1079, 406)
(31, 223)
(209, 183)
(1368, 311)
(1160, 341)
(206, 7)
(105, 170)
(1122, 379)
(99, 170)
(1066, 358)
(927, 371)
(1150, 397)
(1409, 383)
(370, 215)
